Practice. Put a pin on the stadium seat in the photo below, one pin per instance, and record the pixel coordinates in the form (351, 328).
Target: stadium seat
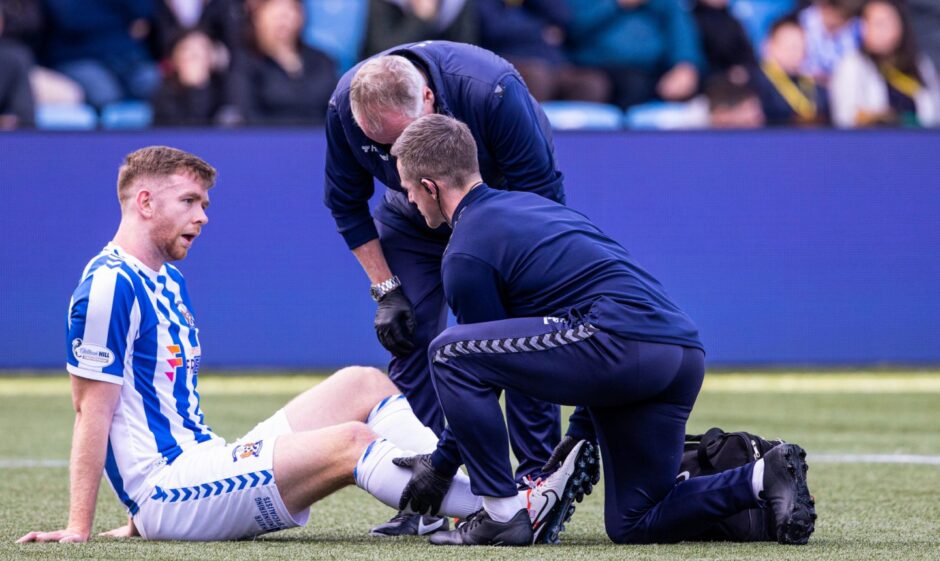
(582, 115)
(661, 115)
(337, 27)
(758, 15)
(127, 115)
(62, 116)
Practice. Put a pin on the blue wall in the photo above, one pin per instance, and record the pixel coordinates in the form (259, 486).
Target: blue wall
(788, 247)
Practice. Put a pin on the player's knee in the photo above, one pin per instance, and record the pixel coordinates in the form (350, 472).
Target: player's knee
(357, 437)
(368, 381)
(376, 382)
(356, 372)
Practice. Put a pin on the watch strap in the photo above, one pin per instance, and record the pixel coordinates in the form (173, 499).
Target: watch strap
(380, 289)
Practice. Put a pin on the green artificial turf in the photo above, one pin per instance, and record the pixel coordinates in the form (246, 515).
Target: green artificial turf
(866, 510)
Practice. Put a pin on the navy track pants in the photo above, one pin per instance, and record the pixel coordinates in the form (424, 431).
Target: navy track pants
(639, 396)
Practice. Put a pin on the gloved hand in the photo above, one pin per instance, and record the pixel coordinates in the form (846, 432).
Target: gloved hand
(395, 323)
(426, 489)
(559, 454)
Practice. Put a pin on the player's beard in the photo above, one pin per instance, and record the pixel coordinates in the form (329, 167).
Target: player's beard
(176, 250)
(169, 241)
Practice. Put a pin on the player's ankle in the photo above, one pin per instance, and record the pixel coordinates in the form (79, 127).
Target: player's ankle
(502, 509)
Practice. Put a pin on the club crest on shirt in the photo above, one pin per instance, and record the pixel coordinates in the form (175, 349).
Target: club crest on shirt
(184, 311)
(247, 450)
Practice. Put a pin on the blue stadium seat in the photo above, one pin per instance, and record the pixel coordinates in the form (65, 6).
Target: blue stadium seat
(127, 115)
(583, 115)
(337, 27)
(61, 116)
(662, 115)
(758, 15)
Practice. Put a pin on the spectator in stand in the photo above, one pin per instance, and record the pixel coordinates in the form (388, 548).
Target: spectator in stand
(725, 43)
(530, 35)
(16, 96)
(925, 18)
(888, 82)
(21, 25)
(192, 94)
(732, 105)
(648, 48)
(832, 31)
(788, 96)
(395, 22)
(21, 29)
(278, 80)
(221, 20)
(101, 45)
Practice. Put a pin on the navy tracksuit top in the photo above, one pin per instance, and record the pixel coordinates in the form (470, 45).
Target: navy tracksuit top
(473, 85)
(514, 254)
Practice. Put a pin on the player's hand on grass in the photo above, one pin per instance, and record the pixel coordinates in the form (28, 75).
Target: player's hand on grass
(395, 323)
(62, 536)
(426, 489)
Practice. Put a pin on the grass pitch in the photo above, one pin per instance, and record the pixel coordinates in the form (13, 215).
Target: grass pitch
(866, 510)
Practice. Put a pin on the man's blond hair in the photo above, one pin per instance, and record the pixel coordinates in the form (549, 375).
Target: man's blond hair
(161, 162)
(382, 84)
(437, 147)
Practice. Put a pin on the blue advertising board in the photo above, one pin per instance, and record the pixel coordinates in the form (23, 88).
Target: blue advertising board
(786, 247)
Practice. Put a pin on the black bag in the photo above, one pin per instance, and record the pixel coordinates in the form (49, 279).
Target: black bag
(715, 451)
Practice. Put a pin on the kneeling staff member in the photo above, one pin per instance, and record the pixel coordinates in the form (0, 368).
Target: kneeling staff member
(550, 306)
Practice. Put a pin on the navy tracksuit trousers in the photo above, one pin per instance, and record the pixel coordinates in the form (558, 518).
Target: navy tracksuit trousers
(639, 396)
(414, 255)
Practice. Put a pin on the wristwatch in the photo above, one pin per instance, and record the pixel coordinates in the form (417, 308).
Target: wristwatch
(379, 290)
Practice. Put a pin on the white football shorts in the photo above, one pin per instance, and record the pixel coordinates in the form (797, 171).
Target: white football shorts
(218, 491)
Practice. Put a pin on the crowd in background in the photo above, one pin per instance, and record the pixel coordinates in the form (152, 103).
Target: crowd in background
(846, 63)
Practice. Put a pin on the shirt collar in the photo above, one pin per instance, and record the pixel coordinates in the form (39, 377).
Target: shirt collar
(475, 194)
(134, 262)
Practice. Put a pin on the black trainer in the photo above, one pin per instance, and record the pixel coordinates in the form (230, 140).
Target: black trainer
(409, 524)
(786, 490)
(480, 529)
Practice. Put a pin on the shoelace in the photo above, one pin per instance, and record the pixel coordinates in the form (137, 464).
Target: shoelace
(531, 483)
(401, 516)
(472, 521)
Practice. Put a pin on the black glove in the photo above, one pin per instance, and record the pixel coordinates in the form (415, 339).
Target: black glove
(426, 488)
(559, 454)
(395, 323)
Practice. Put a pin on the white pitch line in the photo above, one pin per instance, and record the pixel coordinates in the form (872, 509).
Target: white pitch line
(874, 459)
(12, 463)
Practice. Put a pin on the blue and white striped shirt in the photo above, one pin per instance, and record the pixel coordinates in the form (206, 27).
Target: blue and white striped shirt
(131, 325)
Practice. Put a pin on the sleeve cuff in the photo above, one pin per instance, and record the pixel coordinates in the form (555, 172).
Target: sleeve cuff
(94, 375)
(360, 234)
(442, 461)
